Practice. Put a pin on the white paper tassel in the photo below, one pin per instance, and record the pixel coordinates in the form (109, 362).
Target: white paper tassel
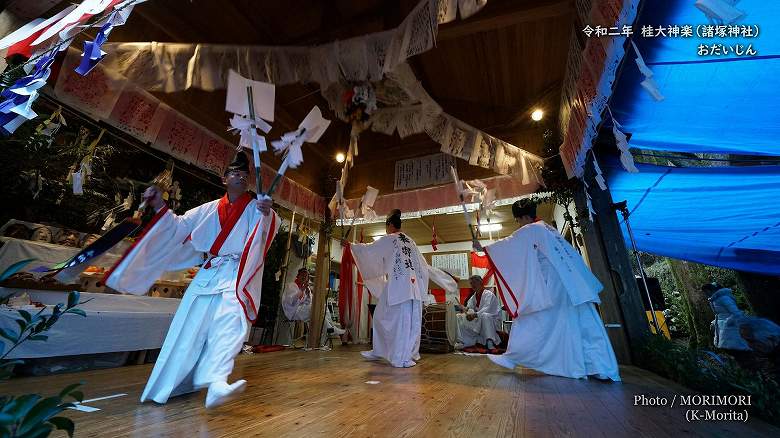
(651, 87)
(599, 176)
(626, 159)
(524, 166)
(243, 126)
(648, 84)
(588, 202)
(77, 180)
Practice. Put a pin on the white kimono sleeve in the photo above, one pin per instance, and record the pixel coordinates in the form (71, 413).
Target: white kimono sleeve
(370, 261)
(249, 286)
(520, 282)
(162, 247)
(581, 285)
(291, 300)
(443, 280)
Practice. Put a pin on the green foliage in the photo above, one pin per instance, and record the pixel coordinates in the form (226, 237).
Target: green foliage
(707, 373)
(31, 415)
(677, 314)
(559, 189)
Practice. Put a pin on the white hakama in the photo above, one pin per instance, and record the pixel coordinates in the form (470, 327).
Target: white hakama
(394, 270)
(212, 320)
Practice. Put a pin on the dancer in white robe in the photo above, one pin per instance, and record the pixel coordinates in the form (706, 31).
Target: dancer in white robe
(551, 293)
(232, 235)
(480, 320)
(393, 268)
(296, 303)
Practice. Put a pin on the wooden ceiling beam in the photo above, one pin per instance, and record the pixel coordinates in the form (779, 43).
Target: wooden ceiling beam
(523, 116)
(487, 20)
(425, 224)
(342, 28)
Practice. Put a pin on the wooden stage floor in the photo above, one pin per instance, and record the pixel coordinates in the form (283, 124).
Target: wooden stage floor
(318, 393)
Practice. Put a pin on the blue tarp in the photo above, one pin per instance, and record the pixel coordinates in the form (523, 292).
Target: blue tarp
(724, 216)
(718, 104)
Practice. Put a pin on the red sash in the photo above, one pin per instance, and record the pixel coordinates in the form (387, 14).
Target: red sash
(229, 214)
(501, 285)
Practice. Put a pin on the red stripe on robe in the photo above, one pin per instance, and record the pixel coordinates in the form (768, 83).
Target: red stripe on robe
(244, 255)
(499, 281)
(229, 214)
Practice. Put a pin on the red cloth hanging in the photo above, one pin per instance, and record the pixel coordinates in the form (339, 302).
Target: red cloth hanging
(434, 242)
(345, 285)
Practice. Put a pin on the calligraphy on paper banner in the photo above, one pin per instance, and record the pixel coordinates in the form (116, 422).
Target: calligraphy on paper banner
(456, 264)
(138, 113)
(484, 153)
(95, 94)
(215, 154)
(456, 139)
(423, 171)
(180, 137)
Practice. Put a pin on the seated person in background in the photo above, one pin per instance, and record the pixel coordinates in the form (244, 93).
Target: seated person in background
(479, 321)
(763, 337)
(726, 323)
(296, 302)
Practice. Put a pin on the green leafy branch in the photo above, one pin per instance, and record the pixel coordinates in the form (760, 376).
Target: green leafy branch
(31, 328)
(32, 415)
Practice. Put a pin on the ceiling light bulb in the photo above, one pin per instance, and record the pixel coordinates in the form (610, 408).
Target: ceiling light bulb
(537, 115)
(340, 157)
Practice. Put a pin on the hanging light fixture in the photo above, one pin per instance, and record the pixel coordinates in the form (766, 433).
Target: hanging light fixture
(340, 157)
(537, 115)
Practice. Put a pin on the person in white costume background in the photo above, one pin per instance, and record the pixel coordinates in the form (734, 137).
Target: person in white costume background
(395, 271)
(479, 320)
(550, 292)
(232, 235)
(296, 303)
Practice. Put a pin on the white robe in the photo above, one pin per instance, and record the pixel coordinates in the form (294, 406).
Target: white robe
(210, 324)
(295, 306)
(486, 325)
(394, 270)
(298, 308)
(549, 290)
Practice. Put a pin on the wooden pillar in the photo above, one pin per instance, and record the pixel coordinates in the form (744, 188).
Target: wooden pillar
(621, 303)
(320, 293)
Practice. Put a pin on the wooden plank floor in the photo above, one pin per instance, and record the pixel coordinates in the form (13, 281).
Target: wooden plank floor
(302, 394)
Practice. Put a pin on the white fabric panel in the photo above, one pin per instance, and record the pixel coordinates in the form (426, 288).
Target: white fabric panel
(114, 323)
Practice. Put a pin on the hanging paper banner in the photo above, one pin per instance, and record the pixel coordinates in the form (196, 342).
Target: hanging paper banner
(215, 154)
(423, 171)
(138, 113)
(456, 264)
(180, 137)
(458, 140)
(484, 153)
(95, 94)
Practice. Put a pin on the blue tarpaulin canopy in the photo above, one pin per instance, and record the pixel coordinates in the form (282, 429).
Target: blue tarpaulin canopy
(724, 216)
(718, 104)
